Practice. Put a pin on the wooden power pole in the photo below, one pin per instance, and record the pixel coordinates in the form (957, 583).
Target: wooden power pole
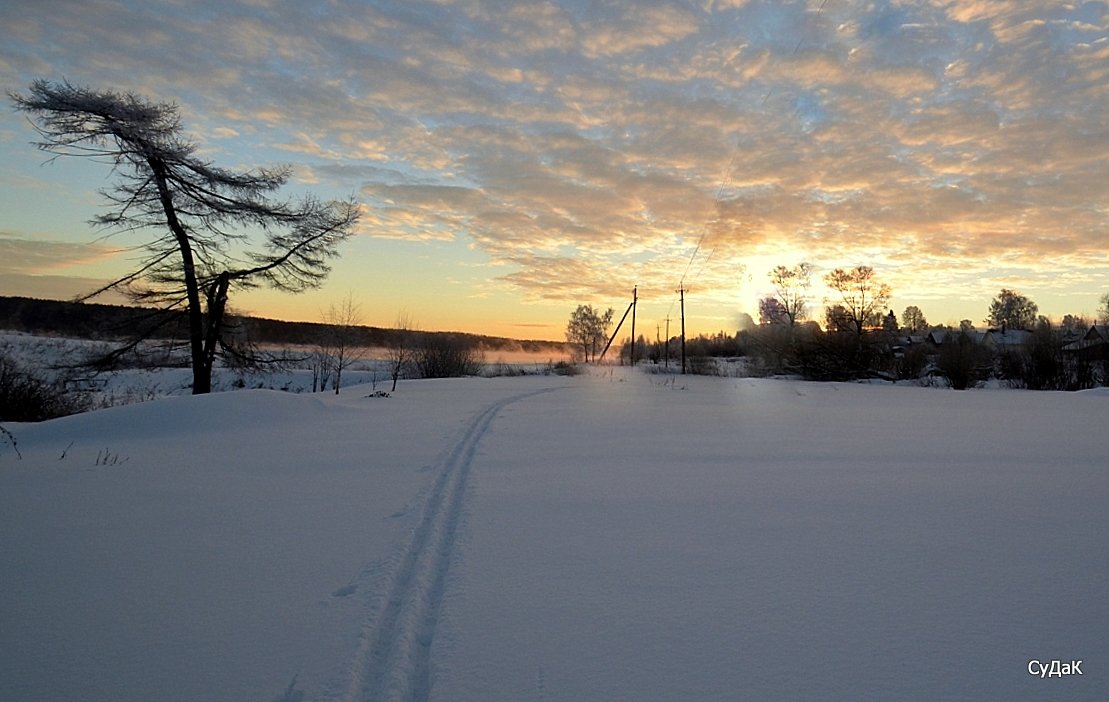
(668, 341)
(635, 298)
(631, 308)
(681, 291)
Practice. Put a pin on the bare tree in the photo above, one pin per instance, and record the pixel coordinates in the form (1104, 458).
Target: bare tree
(791, 289)
(342, 322)
(399, 353)
(862, 296)
(320, 361)
(600, 330)
(837, 319)
(1103, 309)
(771, 311)
(196, 212)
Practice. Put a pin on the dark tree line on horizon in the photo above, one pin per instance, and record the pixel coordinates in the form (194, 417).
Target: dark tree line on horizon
(88, 320)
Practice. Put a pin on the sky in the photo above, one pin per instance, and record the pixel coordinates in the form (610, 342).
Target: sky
(515, 160)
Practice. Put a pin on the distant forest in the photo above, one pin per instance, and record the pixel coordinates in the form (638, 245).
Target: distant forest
(85, 320)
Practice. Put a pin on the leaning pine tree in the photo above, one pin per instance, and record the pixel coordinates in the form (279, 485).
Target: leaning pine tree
(198, 215)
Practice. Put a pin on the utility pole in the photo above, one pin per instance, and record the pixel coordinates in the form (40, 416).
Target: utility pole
(681, 290)
(631, 309)
(635, 298)
(668, 341)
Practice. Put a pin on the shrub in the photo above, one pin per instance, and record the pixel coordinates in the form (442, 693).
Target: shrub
(913, 364)
(772, 348)
(1043, 365)
(25, 397)
(836, 356)
(563, 368)
(702, 365)
(963, 361)
(447, 356)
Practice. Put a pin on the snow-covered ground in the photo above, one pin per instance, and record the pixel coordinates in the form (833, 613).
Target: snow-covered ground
(613, 536)
(58, 359)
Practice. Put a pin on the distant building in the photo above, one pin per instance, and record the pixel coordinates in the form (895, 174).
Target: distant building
(1001, 340)
(1094, 344)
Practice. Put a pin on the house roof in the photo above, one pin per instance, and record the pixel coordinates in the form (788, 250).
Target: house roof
(936, 336)
(1097, 332)
(1009, 337)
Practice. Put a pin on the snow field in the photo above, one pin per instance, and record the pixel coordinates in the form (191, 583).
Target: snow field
(773, 540)
(613, 536)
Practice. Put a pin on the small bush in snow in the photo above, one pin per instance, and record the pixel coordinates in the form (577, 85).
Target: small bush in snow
(963, 361)
(25, 397)
(447, 355)
(563, 368)
(702, 365)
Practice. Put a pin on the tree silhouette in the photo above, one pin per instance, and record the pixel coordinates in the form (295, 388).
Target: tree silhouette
(862, 297)
(587, 329)
(913, 320)
(197, 214)
(791, 288)
(1011, 310)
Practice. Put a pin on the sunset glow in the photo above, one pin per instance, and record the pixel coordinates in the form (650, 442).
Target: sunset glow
(517, 159)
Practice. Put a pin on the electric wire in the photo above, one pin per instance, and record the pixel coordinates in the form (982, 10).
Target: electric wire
(724, 182)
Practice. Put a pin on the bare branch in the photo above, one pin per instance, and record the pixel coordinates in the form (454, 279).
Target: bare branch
(196, 210)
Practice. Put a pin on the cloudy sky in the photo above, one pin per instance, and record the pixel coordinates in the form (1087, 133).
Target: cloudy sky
(518, 158)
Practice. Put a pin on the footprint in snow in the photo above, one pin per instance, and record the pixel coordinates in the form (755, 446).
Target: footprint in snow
(346, 590)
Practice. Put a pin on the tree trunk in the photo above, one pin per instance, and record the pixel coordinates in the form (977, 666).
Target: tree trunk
(217, 306)
(202, 378)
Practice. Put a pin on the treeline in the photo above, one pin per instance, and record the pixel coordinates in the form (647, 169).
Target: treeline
(862, 338)
(1047, 357)
(85, 320)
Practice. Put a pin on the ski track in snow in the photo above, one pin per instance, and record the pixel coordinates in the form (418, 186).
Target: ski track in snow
(393, 661)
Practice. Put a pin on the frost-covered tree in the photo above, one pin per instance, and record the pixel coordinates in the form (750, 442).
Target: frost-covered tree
(913, 321)
(588, 329)
(1011, 310)
(202, 220)
(1074, 324)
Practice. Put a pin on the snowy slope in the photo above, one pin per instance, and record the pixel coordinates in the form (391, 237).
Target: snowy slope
(619, 536)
